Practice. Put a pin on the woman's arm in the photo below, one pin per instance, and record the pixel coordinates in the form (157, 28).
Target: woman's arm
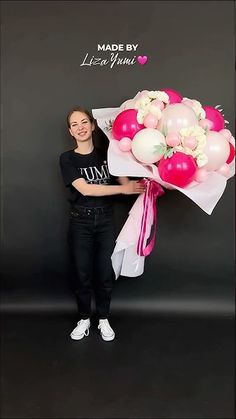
(123, 180)
(87, 189)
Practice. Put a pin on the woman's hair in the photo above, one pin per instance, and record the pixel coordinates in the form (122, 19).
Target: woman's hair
(79, 109)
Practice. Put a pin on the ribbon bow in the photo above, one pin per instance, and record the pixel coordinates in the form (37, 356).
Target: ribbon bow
(153, 191)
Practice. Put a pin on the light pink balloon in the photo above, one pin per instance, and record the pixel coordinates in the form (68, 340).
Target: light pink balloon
(150, 121)
(177, 116)
(224, 170)
(226, 133)
(201, 175)
(158, 103)
(205, 123)
(125, 144)
(190, 142)
(173, 139)
(217, 150)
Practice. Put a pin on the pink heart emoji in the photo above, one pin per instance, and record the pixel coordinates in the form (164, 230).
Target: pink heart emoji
(142, 59)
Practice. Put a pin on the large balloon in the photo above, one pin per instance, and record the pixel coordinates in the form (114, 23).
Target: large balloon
(126, 124)
(217, 119)
(217, 150)
(174, 96)
(179, 170)
(144, 145)
(177, 116)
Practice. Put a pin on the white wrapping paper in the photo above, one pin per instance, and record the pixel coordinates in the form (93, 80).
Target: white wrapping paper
(125, 260)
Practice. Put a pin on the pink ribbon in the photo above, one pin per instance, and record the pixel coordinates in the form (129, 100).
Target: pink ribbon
(153, 191)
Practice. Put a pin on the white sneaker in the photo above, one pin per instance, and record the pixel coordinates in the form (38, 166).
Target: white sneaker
(81, 330)
(106, 331)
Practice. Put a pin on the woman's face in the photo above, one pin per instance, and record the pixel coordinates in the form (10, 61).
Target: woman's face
(80, 126)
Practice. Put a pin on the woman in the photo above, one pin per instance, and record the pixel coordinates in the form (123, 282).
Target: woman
(91, 235)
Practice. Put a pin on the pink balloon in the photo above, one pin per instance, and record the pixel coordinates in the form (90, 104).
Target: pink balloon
(177, 116)
(125, 144)
(216, 117)
(174, 96)
(158, 103)
(217, 150)
(173, 139)
(201, 175)
(179, 170)
(190, 142)
(150, 121)
(126, 124)
(206, 123)
(224, 170)
(226, 133)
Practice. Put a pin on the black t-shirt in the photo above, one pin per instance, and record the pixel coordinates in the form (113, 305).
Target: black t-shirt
(93, 168)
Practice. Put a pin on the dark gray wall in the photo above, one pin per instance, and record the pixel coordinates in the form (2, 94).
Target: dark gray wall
(190, 45)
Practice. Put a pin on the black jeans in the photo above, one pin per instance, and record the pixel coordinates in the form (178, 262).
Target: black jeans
(91, 240)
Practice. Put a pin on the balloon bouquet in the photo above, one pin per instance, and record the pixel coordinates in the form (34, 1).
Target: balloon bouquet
(169, 141)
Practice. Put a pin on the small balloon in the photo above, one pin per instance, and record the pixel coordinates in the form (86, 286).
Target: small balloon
(125, 144)
(173, 139)
(150, 121)
(190, 142)
(206, 124)
(224, 170)
(201, 175)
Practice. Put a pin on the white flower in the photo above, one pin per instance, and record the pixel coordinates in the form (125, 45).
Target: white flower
(202, 159)
(140, 116)
(198, 109)
(155, 111)
(163, 96)
(152, 94)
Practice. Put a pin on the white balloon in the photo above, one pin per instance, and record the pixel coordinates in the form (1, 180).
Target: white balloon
(177, 116)
(143, 145)
(217, 150)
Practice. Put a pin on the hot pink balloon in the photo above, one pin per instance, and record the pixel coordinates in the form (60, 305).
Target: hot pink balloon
(174, 96)
(201, 175)
(231, 154)
(179, 170)
(216, 117)
(217, 150)
(150, 121)
(126, 124)
(125, 144)
(177, 116)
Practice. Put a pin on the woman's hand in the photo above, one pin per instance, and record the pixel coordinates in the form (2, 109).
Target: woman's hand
(133, 187)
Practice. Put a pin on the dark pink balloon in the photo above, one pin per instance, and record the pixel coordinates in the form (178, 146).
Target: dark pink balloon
(174, 96)
(231, 154)
(215, 117)
(179, 170)
(126, 124)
